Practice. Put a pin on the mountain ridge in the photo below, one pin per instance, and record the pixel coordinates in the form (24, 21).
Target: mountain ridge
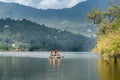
(70, 19)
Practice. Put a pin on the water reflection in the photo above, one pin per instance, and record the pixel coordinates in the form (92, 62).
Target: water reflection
(54, 62)
(109, 71)
(12, 68)
(70, 68)
(47, 69)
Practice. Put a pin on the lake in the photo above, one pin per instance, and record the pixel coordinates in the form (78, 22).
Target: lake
(73, 66)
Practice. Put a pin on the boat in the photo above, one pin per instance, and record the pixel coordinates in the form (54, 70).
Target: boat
(54, 56)
(58, 57)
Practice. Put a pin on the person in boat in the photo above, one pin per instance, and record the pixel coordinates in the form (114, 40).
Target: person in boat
(58, 53)
(55, 52)
(51, 53)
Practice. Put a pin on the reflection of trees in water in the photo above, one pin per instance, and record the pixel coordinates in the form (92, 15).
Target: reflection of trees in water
(109, 71)
(22, 68)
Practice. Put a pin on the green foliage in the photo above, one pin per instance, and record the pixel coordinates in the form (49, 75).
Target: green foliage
(4, 47)
(95, 16)
(26, 35)
(108, 44)
(108, 40)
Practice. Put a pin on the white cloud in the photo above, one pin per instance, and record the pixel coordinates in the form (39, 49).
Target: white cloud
(58, 4)
(46, 4)
(23, 2)
(73, 3)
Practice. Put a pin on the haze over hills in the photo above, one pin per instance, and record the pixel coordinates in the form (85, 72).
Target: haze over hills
(71, 19)
(26, 35)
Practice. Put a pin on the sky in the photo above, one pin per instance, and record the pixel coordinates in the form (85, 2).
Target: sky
(46, 4)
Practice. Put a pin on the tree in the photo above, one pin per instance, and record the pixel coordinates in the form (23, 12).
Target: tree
(108, 22)
(95, 16)
(104, 18)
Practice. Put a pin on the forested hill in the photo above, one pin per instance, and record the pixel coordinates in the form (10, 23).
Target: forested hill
(71, 19)
(26, 35)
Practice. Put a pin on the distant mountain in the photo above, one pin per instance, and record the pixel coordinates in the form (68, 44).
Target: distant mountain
(26, 35)
(71, 19)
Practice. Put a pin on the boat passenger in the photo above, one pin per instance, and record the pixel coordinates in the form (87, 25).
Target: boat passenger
(55, 52)
(58, 53)
(51, 53)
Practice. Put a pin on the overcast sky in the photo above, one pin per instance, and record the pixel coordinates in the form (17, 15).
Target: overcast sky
(45, 4)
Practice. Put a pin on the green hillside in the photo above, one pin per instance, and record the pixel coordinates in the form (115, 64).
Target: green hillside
(26, 35)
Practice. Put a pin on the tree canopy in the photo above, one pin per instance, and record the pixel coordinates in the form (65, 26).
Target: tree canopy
(108, 36)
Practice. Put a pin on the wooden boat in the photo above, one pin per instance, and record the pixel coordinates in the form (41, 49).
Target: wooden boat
(54, 56)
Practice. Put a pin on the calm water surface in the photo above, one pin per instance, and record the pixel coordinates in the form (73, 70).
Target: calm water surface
(37, 66)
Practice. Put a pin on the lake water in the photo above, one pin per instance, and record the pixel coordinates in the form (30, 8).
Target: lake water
(73, 66)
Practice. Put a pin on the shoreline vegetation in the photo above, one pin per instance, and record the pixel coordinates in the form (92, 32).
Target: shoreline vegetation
(108, 36)
(24, 35)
